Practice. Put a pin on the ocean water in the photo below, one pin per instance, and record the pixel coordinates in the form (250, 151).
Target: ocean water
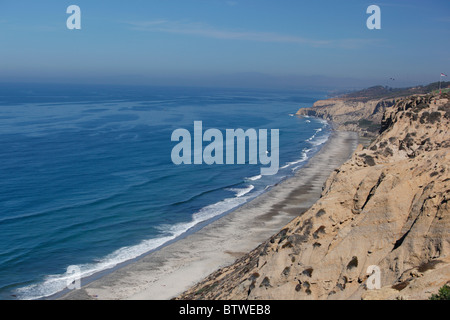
(86, 176)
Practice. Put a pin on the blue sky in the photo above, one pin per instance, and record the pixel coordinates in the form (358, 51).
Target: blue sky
(225, 43)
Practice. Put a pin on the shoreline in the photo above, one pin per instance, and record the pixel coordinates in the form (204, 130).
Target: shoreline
(169, 271)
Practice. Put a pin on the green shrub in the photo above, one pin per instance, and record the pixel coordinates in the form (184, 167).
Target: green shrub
(444, 294)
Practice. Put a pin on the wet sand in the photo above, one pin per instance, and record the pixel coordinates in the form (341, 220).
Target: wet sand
(168, 272)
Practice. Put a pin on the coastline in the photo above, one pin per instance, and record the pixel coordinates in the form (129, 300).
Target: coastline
(380, 231)
(167, 272)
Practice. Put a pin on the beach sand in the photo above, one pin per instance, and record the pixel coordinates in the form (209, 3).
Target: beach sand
(167, 272)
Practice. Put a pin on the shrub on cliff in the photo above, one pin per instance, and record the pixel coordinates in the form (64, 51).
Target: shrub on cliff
(446, 108)
(444, 294)
(430, 117)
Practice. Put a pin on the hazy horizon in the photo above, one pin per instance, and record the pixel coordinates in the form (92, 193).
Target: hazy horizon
(255, 44)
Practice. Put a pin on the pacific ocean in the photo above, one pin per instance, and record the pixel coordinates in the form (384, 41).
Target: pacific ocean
(87, 177)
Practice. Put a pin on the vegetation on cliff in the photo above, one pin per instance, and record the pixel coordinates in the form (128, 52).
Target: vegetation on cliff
(444, 294)
(380, 92)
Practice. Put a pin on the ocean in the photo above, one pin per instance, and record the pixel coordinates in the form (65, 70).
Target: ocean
(87, 177)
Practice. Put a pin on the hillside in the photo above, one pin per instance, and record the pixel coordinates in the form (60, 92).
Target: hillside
(380, 92)
(387, 206)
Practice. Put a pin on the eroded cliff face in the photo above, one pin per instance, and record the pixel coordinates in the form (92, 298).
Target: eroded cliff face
(350, 114)
(387, 207)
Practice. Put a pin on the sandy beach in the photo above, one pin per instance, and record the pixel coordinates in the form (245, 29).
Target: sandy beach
(167, 272)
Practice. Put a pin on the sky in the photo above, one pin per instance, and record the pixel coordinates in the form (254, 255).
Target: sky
(233, 43)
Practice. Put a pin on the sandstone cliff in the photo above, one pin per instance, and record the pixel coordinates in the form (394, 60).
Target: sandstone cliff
(386, 207)
(363, 110)
(350, 114)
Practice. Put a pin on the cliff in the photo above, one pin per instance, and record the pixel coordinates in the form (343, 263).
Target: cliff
(387, 207)
(362, 111)
(349, 114)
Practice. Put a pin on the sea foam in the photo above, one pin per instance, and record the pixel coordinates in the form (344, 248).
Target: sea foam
(53, 284)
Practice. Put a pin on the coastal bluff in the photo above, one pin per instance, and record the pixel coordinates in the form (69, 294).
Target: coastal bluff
(350, 115)
(387, 206)
(362, 111)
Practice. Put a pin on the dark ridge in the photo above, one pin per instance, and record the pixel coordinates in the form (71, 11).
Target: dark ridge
(381, 92)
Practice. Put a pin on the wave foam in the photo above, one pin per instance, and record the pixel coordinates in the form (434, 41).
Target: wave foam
(320, 141)
(53, 284)
(301, 160)
(242, 191)
(254, 178)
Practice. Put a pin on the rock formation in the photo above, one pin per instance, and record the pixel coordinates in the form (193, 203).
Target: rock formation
(350, 115)
(385, 207)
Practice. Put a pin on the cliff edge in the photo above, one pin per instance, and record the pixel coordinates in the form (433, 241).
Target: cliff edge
(362, 111)
(350, 115)
(386, 207)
